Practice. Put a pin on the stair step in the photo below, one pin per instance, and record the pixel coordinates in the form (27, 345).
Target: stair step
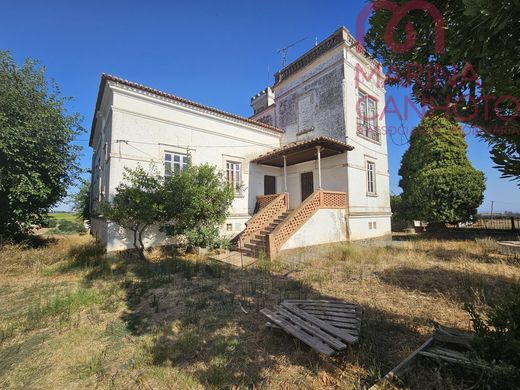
(254, 246)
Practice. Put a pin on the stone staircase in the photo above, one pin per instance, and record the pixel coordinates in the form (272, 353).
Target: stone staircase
(256, 244)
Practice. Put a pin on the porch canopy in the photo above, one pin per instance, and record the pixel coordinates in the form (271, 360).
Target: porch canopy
(303, 151)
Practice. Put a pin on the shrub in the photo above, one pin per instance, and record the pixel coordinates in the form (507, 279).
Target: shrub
(497, 338)
(62, 226)
(204, 236)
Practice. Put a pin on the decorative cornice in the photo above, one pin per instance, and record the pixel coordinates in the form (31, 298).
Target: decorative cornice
(338, 37)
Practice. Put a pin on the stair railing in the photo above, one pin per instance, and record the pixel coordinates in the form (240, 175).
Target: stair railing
(265, 216)
(317, 200)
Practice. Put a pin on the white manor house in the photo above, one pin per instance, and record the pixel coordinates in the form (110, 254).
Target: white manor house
(311, 161)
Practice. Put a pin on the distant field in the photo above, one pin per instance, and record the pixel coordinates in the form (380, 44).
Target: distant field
(64, 216)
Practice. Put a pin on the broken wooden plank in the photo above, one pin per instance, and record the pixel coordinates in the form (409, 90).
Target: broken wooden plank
(322, 302)
(457, 340)
(447, 352)
(312, 329)
(326, 306)
(335, 318)
(346, 305)
(352, 328)
(272, 325)
(343, 325)
(351, 316)
(453, 331)
(312, 342)
(342, 334)
(404, 366)
(342, 310)
(453, 336)
(440, 357)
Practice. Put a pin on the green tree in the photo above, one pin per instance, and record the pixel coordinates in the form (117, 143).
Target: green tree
(193, 202)
(197, 203)
(438, 181)
(478, 66)
(396, 205)
(137, 204)
(37, 160)
(81, 201)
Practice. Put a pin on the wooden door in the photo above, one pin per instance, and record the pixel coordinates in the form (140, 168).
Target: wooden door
(307, 183)
(269, 185)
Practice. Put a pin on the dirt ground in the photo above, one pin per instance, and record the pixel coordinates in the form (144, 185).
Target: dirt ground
(73, 317)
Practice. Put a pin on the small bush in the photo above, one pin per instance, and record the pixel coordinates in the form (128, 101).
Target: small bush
(204, 237)
(497, 338)
(71, 226)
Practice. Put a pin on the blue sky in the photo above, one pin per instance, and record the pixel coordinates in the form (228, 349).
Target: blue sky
(216, 53)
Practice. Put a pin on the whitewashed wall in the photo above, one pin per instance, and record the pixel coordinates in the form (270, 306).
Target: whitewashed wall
(333, 176)
(364, 207)
(142, 128)
(324, 227)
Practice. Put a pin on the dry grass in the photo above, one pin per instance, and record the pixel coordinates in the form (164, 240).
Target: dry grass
(75, 318)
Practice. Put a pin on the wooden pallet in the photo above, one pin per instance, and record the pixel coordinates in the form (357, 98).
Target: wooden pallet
(325, 326)
(445, 344)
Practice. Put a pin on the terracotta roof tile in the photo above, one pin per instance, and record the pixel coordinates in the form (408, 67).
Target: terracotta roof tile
(212, 110)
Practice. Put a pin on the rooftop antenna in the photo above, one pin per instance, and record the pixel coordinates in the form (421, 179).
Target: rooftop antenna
(283, 51)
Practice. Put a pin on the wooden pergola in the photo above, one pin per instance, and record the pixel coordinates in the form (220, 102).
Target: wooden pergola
(303, 151)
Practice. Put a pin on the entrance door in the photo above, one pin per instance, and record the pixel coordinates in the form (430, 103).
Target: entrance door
(307, 182)
(269, 185)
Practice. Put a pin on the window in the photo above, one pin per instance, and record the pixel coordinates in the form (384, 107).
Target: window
(371, 178)
(234, 175)
(229, 227)
(174, 163)
(367, 119)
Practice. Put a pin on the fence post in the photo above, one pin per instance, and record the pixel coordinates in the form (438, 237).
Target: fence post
(513, 224)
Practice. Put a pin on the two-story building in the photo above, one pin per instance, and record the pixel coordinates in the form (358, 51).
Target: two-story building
(310, 166)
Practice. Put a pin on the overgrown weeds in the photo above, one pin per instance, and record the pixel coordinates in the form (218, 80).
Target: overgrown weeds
(93, 319)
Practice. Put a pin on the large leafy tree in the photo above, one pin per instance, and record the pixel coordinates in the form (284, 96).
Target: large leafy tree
(473, 73)
(194, 201)
(37, 160)
(439, 184)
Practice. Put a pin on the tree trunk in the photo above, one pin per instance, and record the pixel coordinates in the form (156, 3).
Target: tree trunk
(138, 242)
(141, 251)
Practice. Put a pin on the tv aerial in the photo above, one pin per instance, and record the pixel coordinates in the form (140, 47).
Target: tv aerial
(284, 50)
